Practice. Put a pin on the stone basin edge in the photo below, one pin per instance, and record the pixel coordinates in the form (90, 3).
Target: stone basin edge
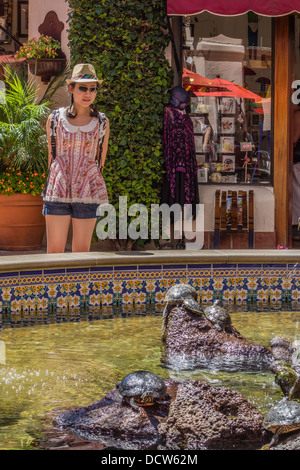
(143, 258)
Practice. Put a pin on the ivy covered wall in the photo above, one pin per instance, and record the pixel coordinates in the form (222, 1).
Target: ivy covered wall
(126, 40)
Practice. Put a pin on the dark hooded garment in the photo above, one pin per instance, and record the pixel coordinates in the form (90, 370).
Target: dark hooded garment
(180, 183)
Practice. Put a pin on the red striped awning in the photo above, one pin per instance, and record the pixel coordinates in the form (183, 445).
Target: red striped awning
(9, 59)
(230, 8)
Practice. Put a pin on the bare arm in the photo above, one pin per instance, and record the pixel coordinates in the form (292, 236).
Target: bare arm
(49, 141)
(105, 145)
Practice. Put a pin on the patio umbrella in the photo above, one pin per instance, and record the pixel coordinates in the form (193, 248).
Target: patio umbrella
(230, 89)
(237, 90)
(195, 82)
(263, 82)
(194, 79)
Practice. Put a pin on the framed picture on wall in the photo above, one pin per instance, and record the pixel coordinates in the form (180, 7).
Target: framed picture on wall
(6, 8)
(228, 105)
(22, 18)
(198, 143)
(202, 175)
(228, 162)
(255, 119)
(227, 144)
(200, 160)
(227, 125)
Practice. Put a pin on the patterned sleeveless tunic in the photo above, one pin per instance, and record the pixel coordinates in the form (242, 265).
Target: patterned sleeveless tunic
(74, 175)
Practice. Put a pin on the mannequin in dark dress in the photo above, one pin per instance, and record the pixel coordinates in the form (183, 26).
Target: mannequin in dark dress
(180, 183)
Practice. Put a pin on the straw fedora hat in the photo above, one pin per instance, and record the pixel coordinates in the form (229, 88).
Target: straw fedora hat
(83, 73)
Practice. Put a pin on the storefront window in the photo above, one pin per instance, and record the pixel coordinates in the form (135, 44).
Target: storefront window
(230, 96)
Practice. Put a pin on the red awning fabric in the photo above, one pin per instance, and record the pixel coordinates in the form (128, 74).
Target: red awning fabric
(228, 8)
(202, 86)
(9, 59)
(195, 79)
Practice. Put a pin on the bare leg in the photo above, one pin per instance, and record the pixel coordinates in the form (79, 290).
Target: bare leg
(207, 133)
(57, 228)
(82, 234)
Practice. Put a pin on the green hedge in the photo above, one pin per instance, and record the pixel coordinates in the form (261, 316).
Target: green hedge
(126, 41)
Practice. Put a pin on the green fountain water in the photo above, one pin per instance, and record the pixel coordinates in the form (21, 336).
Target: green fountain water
(71, 364)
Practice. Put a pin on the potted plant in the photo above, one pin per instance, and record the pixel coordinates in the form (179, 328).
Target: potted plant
(23, 164)
(43, 55)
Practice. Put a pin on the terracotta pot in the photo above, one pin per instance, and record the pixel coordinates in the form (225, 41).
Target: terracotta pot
(46, 68)
(22, 225)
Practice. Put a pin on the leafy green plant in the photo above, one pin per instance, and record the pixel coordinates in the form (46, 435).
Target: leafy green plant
(126, 42)
(23, 142)
(43, 47)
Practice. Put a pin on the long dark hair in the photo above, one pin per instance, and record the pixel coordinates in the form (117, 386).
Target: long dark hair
(93, 112)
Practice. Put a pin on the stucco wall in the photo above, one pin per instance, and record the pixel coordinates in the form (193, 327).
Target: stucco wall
(37, 12)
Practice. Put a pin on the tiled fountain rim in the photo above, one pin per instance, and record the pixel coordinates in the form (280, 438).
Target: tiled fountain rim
(50, 282)
(141, 258)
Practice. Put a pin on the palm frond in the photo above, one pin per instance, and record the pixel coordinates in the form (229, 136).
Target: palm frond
(23, 140)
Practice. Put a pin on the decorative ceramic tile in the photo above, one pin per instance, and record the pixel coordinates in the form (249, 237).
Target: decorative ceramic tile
(145, 285)
(150, 272)
(228, 289)
(174, 271)
(276, 295)
(274, 270)
(196, 283)
(107, 299)
(247, 270)
(9, 279)
(199, 270)
(293, 270)
(102, 273)
(295, 291)
(241, 295)
(262, 290)
(207, 293)
(221, 270)
(125, 272)
(107, 287)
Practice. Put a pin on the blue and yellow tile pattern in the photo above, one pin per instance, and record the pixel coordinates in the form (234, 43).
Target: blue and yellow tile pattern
(39, 290)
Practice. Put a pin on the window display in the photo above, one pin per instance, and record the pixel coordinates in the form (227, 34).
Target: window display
(227, 73)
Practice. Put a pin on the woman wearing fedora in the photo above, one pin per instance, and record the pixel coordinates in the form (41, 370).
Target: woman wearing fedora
(77, 139)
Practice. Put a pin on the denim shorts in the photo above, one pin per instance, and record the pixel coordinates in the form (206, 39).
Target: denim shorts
(76, 210)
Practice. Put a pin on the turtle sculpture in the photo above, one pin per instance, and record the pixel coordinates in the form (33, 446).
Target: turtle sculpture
(142, 388)
(218, 316)
(180, 295)
(282, 418)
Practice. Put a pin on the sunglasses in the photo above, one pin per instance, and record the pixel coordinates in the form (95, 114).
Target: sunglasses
(84, 89)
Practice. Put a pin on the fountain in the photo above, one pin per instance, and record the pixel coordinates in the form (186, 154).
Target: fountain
(194, 340)
(208, 371)
(191, 414)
